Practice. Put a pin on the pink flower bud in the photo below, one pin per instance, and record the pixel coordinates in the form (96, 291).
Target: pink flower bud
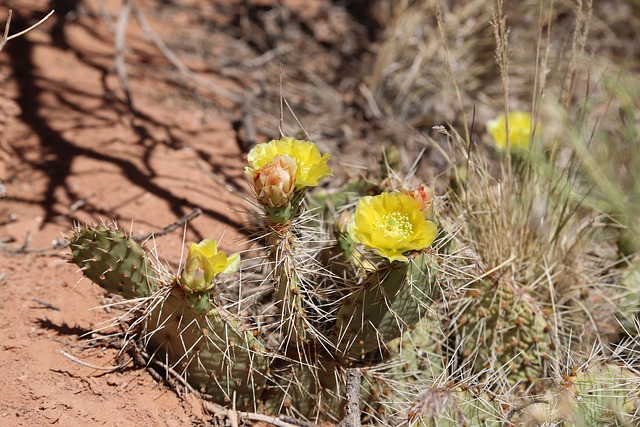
(275, 183)
(423, 195)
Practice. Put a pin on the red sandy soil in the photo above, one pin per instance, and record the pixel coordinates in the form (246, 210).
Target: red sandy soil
(71, 151)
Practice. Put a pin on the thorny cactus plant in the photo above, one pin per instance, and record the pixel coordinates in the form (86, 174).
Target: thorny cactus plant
(586, 396)
(353, 283)
(346, 282)
(500, 327)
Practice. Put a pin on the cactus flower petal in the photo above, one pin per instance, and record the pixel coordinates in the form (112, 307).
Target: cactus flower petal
(232, 264)
(519, 131)
(391, 224)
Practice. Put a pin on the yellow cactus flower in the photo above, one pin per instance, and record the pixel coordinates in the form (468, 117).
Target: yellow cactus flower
(274, 183)
(204, 262)
(519, 130)
(311, 165)
(391, 224)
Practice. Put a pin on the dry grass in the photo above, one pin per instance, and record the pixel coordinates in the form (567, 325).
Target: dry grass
(548, 223)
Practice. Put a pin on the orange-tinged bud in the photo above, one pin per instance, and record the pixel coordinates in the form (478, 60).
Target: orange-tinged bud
(275, 183)
(423, 195)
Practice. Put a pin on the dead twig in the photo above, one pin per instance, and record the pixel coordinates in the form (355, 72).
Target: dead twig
(276, 421)
(46, 304)
(352, 417)
(168, 229)
(171, 373)
(168, 53)
(89, 365)
(121, 66)
(6, 37)
(25, 249)
(295, 421)
(268, 56)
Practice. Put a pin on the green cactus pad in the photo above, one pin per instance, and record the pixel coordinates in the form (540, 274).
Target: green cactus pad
(114, 261)
(313, 391)
(501, 328)
(391, 301)
(213, 351)
(418, 351)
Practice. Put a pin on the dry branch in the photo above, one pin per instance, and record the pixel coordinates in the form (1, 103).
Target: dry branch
(6, 37)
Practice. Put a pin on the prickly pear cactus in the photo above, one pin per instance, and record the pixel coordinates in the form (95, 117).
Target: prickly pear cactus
(214, 351)
(347, 280)
(211, 349)
(499, 327)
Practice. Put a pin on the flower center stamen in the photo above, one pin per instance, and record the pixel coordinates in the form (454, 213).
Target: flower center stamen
(395, 225)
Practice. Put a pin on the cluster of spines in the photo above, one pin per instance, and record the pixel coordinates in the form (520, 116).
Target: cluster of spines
(210, 348)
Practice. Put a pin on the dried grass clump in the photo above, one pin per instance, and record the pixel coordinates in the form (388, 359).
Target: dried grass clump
(437, 59)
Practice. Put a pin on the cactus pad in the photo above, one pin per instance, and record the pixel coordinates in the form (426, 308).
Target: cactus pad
(113, 260)
(501, 327)
(213, 351)
(390, 302)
